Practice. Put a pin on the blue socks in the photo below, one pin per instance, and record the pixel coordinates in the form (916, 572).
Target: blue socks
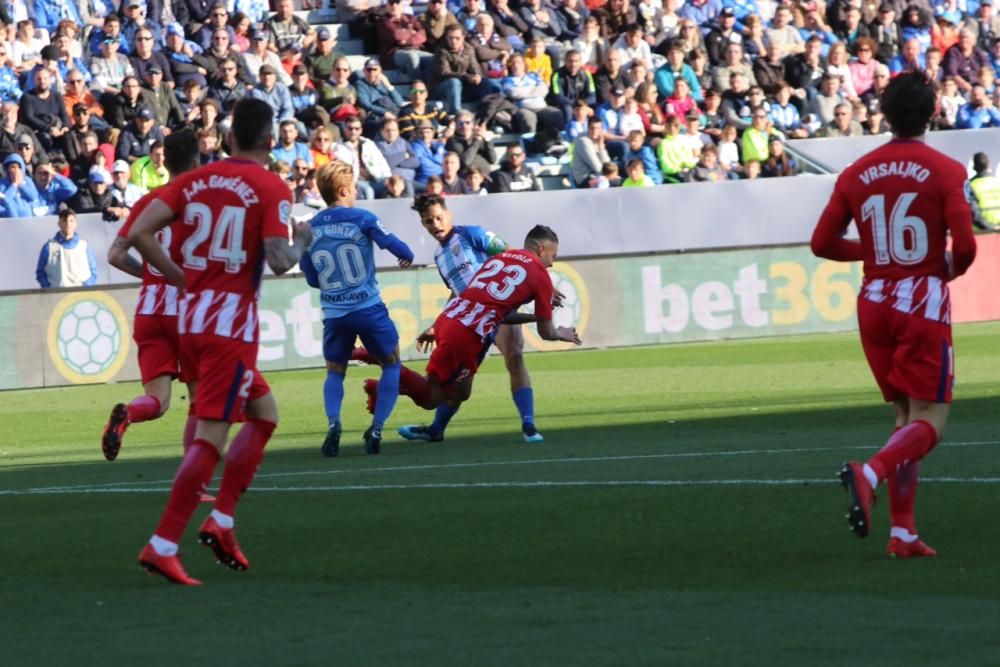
(385, 401)
(524, 399)
(333, 396)
(442, 416)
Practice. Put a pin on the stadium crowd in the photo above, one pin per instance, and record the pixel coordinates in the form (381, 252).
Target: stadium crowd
(627, 92)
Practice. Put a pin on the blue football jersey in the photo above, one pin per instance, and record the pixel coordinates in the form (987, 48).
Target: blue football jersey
(460, 256)
(341, 259)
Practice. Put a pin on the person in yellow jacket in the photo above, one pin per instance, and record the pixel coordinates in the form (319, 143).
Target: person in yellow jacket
(985, 198)
(150, 172)
(757, 136)
(674, 153)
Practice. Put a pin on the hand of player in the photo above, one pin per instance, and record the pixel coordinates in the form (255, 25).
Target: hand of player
(425, 341)
(302, 233)
(569, 335)
(557, 299)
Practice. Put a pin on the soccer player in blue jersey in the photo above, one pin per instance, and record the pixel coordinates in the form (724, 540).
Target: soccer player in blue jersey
(340, 262)
(459, 256)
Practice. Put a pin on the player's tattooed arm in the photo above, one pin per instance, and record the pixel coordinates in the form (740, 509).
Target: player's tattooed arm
(549, 331)
(119, 257)
(281, 256)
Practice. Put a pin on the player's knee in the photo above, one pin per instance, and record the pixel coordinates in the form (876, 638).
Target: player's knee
(336, 367)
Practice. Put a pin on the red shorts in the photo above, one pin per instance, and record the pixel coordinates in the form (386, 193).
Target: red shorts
(456, 355)
(156, 338)
(226, 373)
(908, 354)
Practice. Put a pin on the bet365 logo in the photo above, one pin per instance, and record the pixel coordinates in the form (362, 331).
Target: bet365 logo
(88, 337)
(574, 312)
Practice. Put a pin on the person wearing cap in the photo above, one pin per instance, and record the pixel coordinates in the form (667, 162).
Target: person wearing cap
(161, 99)
(779, 162)
(124, 194)
(18, 194)
(944, 33)
(984, 24)
(138, 137)
(457, 76)
(109, 70)
(136, 20)
(721, 36)
(741, 9)
(180, 54)
(274, 93)
(376, 95)
(402, 41)
(886, 32)
(95, 196)
(146, 57)
(218, 19)
(964, 60)
(66, 260)
(305, 99)
(320, 58)
(285, 27)
(44, 112)
(53, 189)
(111, 29)
(259, 55)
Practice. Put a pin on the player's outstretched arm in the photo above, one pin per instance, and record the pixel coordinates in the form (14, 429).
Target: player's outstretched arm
(548, 331)
(281, 256)
(119, 257)
(142, 236)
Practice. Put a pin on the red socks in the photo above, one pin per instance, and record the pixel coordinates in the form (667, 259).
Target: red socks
(242, 460)
(907, 445)
(192, 477)
(143, 408)
(415, 386)
(903, 496)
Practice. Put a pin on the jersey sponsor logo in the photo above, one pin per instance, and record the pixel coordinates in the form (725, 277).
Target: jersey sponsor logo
(329, 297)
(285, 212)
(88, 337)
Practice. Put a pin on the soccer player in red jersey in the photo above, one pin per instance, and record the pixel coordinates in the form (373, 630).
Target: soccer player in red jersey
(905, 197)
(232, 216)
(155, 328)
(464, 331)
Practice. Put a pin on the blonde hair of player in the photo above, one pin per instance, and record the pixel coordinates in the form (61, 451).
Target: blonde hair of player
(335, 182)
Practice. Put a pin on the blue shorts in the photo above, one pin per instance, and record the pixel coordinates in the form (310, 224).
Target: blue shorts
(377, 332)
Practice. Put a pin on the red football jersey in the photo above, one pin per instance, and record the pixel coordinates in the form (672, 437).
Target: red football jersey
(225, 210)
(502, 284)
(904, 197)
(156, 296)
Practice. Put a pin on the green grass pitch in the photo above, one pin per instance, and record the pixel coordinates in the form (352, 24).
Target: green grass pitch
(682, 510)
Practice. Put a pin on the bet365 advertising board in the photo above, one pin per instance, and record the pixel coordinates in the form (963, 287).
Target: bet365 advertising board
(78, 337)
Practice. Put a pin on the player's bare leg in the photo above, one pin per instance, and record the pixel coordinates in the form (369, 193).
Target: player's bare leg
(510, 340)
(153, 404)
(242, 459)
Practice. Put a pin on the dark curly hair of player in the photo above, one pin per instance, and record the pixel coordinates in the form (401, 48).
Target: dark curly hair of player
(423, 203)
(908, 104)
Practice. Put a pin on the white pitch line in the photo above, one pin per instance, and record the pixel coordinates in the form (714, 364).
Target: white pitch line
(539, 484)
(489, 464)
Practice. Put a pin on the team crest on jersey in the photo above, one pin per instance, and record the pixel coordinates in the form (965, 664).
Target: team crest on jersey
(285, 212)
(456, 250)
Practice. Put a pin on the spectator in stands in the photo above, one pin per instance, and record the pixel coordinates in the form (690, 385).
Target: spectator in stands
(492, 49)
(109, 70)
(53, 189)
(370, 168)
(180, 55)
(192, 13)
(127, 103)
(736, 107)
(734, 62)
(674, 153)
(526, 90)
(572, 14)
(437, 21)
(138, 138)
(218, 19)
(542, 23)
(513, 175)
(950, 101)
(814, 26)
(124, 193)
(612, 76)
(964, 60)
(680, 103)
(337, 95)
(470, 144)
(285, 27)
(321, 146)
(636, 175)
(538, 61)
(227, 90)
(509, 23)
(289, 148)
(66, 260)
(852, 29)
(649, 110)
(785, 116)
(592, 47)
(319, 60)
(10, 89)
(150, 172)
(18, 194)
(26, 149)
(880, 80)
(82, 154)
(26, 47)
(376, 95)
(979, 112)
(910, 58)
(77, 94)
(826, 99)
(779, 163)
(428, 151)
(708, 168)
(48, 13)
(457, 75)
(804, 70)
(932, 64)
(837, 65)
(250, 62)
(638, 150)
(783, 32)
(242, 27)
(66, 57)
(49, 61)
(161, 99)
(145, 57)
(475, 181)
(755, 138)
(609, 113)
(305, 99)
(985, 25)
(95, 196)
(985, 198)
(43, 110)
(274, 93)
(402, 41)
(290, 56)
(675, 68)
(221, 50)
(862, 69)
(723, 35)
(614, 16)
(136, 20)
(590, 153)
(570, 83)
(435, 186)
(451, 181)
(209, 150)
(13, 131)
(886, 33)
(944, 34)
(398, 153)
(769, 70)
